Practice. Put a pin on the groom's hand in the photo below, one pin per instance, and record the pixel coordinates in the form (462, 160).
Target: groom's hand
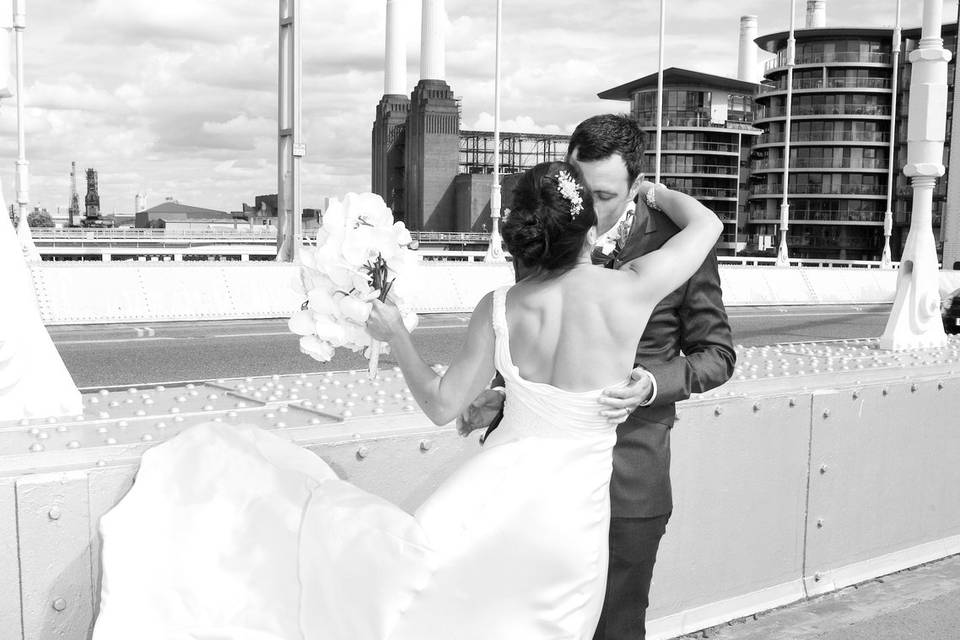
(621, 401)
(481, 412)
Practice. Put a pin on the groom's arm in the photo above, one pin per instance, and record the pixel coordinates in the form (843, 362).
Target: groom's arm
(705, 338)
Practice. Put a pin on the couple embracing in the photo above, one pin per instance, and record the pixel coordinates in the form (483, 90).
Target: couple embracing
(251, 537)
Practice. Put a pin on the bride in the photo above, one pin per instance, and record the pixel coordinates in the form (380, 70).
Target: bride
(233, 532)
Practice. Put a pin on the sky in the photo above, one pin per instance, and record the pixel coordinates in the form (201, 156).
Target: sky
(178, 98)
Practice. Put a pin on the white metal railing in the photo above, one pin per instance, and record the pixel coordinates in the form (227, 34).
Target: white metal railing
(802, 262)
(247, 234)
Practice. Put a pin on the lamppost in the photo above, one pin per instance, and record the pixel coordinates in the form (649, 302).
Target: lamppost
(783, 253)
(495, 250)
(290, 148)
(915, 318)
(885, 258)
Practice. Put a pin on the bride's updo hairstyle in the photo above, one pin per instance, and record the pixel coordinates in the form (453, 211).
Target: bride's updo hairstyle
(551, 214)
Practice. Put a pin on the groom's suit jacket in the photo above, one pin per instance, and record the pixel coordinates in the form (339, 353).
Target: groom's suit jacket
(691, 320)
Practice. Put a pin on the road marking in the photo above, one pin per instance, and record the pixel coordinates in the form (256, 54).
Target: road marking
(254, 335)
(109, 340)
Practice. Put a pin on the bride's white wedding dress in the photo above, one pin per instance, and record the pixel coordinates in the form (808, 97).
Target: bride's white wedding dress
(233, 532)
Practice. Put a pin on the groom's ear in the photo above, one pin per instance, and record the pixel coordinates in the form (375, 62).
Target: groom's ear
(635, 187)
(592, 235)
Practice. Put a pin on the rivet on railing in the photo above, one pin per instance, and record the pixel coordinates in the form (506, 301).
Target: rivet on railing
(59, 604)
(913, 388)
(826, 413)
(718, 410)
(426, 445)
(362, 452)
(823, 469)
(756, 407)
(54, 513)
(819, 523)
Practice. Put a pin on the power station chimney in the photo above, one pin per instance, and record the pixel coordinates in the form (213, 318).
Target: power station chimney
(432, 42)
(816, 14)
(395, 67)
(747, 61)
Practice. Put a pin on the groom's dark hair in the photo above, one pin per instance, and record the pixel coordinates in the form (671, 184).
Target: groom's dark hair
(600, 137)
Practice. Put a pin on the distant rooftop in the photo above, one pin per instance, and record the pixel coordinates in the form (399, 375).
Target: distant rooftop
(774, 42)
(173, 209)
(674, 76)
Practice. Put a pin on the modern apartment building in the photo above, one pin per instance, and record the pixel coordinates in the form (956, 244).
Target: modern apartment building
(840, 152)
(706, 138)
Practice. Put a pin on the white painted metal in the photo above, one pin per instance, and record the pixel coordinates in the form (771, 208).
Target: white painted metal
(886, 258)
(915, 319)
(6, 29)
(783, 252)
(290, 148)
(495, 249)
(660, 47)
(816, 495)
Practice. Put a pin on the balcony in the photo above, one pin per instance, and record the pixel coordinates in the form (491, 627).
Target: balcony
(820, 190)
(831, 83)
(819, 163)
(709, 193)
(828, 136)
(701, 169)
(815, 215)
(696, 118)
(780, 62)
(722, 147)
(870, 110)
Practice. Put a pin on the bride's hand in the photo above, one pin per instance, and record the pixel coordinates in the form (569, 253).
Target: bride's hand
(385, 321)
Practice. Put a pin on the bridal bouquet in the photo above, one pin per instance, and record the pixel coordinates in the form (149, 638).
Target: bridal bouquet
(360, 255)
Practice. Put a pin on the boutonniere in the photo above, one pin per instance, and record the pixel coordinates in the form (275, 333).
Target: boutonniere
(609, 241)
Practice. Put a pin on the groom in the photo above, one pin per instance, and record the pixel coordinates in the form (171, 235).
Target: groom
(686, 348)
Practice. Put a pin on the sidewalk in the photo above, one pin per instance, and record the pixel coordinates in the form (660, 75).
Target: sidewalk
(917, 604)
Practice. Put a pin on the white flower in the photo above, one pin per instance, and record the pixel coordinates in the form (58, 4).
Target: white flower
(354, 310)
(301, 322)
(410, 321)
(321, 300)
(328, 329)
(316, 348)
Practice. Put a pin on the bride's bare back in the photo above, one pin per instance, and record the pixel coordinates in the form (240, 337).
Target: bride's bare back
(578, 331)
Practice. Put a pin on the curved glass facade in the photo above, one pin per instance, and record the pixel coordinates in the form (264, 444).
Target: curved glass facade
(838, 157)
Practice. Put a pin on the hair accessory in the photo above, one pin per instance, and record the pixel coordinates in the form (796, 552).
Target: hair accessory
(570, 190)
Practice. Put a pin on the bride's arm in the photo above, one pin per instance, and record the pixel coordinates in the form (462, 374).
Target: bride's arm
(679, 258)
(441, 398)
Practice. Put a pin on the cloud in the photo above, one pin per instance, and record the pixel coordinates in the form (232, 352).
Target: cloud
(179, 98)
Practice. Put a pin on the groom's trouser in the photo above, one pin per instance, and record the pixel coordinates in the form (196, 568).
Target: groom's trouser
(633, 552)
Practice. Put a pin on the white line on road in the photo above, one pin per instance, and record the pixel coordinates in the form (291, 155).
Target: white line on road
(109, 340)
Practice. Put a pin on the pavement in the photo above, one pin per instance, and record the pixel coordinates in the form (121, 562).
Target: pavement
(922, 603)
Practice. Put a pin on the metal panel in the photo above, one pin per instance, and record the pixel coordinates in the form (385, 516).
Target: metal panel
(884, 476)
(9, 563)
(404, 469)
(54, 526)
(739, 482)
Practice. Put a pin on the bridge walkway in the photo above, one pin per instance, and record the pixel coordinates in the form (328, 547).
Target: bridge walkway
(922, 603)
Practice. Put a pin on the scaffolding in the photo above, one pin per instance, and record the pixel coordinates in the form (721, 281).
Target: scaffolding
(518, 151)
